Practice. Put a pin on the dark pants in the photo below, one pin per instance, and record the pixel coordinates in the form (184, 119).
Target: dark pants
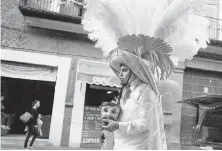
(31, 131)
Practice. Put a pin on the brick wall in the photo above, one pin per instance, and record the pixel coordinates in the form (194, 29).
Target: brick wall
(12, 23)
(10, 14)
(15, 34)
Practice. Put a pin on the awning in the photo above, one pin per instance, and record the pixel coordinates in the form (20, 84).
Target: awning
(28, 71)
(95, 72)
(207, 100)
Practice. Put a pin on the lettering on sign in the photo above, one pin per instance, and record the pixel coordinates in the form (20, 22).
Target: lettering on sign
(101, 80)
(91, 125)
(91, 140)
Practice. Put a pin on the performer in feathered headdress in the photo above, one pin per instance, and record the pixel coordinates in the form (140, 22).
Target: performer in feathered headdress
(141, 38)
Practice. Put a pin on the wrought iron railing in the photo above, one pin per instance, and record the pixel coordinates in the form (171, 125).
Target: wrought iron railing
(72, 8)
(215, 28)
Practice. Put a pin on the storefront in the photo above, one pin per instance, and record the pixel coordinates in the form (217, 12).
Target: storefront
(95, 83)
(21, 84)
(27, 66)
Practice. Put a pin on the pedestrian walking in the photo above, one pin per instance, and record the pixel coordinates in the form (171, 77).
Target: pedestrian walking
(32, 125)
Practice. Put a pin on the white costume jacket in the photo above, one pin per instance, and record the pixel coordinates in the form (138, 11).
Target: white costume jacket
(141, 125)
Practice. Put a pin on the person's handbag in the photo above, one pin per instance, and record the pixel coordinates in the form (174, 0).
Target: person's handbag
(25, 117)
(37, 131)
(39, 125)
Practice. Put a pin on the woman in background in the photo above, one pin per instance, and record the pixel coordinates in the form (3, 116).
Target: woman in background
(32, 125)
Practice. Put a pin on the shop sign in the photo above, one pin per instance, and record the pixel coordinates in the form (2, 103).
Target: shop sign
(97, 79)
(91, 125)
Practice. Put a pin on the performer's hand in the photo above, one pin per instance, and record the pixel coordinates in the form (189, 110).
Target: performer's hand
(111, 126)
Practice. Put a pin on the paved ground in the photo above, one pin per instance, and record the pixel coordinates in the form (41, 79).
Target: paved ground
(16, 142)
(20, 147)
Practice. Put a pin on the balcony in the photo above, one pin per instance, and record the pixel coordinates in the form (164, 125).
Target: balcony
(59, 10)
(71, 11)
(215, 29)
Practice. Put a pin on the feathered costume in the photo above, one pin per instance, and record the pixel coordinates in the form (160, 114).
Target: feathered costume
(147, 36)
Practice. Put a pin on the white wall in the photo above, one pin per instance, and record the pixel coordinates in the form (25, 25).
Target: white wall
(77, 115)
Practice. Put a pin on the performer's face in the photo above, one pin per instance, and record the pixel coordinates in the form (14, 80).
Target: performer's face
(110, 112)
(124, 74)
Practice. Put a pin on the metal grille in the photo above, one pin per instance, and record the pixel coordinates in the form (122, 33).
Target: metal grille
(63, 7)
(215, 28)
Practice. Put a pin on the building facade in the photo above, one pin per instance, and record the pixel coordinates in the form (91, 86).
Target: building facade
(203, 74)
(30, 39)
(45, 38)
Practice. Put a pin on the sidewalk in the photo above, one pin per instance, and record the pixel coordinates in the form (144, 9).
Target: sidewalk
(16, 142)
(37, 147)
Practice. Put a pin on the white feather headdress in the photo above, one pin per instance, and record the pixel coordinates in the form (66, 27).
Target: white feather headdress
(178, 23)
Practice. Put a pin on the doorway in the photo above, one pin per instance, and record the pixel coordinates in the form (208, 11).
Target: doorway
(96, 94)
(94, 97)
(18, 97)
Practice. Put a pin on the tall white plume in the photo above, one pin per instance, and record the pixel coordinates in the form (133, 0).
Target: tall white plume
(178, 23)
